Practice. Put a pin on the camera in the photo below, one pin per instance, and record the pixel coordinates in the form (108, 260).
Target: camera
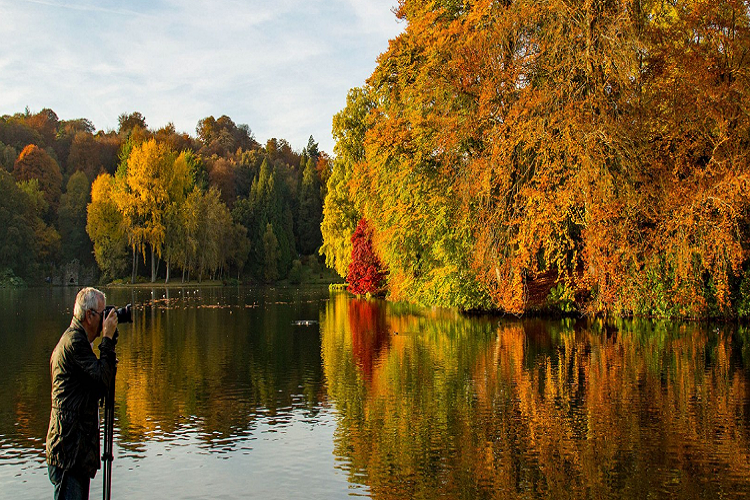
(124, 314)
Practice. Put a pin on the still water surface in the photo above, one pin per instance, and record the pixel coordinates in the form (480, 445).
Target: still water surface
(221, 393)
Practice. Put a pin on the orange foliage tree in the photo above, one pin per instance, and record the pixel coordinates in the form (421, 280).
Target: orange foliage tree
(36, 163)
(601, 143)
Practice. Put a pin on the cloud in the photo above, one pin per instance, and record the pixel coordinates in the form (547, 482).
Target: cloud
(283, 68)
(84, 7)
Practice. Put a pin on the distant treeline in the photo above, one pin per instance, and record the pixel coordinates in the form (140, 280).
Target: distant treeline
(585, 156)
(216, 205)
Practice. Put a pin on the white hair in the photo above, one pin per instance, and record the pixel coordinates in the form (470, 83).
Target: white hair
(87, 299)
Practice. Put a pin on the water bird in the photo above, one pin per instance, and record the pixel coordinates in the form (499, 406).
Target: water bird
(305, 322)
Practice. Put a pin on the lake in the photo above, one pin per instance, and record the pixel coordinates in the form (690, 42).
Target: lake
(304, 393)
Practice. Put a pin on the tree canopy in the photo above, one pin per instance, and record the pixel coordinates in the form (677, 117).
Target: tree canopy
(597, 145)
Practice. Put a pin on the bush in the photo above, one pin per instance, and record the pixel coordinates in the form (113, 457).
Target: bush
(562, 298)
(295, 274)
(8, 279)
(743, 304)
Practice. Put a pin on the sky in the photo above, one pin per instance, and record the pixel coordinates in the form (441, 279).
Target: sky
(283, 67)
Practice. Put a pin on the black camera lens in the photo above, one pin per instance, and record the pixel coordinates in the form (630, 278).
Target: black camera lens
(124, 314)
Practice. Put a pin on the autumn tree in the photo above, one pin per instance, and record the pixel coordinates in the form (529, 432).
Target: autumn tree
(46, 124)
(154, 182)
(15, 132)
(221, 176)
(84, 156)
(280, 152)
(196, 168)
(222, 136)
(176, 140)
(340, 216)
(130, 121)
(184, 246)
(66, 132)
(324, 166)
(586, 142)
(365, 273)
(214, 232)
(36, 163)
(93, 154)
(160, 203)
(693, 162)
(106, 228)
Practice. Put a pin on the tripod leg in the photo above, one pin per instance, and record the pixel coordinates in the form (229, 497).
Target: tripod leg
(109, 431)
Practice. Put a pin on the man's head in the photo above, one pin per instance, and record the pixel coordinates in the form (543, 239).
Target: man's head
(89, 308)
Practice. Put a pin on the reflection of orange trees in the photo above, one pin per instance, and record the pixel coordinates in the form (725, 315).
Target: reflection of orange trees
(395, 433)
(538, 410)
(600, 413)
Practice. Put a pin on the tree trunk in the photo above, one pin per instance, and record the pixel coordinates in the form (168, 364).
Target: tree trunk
(153, 265)
(135, 266)
(166, 281)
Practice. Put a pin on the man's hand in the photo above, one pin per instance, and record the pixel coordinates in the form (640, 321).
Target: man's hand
(110, 324)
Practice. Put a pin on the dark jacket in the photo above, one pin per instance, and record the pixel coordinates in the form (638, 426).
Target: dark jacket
(79, 380)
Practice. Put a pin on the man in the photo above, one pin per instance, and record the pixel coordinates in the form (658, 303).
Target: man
(79, 380)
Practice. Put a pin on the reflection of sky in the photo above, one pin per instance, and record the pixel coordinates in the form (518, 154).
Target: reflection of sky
(289, 455)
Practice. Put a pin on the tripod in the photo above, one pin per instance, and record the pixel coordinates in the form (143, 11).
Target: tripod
(109, 429)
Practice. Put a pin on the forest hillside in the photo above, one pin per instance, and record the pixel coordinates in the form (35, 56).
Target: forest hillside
(137, 201)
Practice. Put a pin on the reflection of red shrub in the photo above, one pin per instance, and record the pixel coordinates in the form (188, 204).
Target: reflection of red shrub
(369, 334)
(365, 274)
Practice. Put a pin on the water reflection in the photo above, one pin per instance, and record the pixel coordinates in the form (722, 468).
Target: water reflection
(464, 408)
(222, 392)
(215, 365)
(201, 373)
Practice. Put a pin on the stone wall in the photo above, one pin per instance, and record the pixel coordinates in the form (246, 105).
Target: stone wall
(74, 274)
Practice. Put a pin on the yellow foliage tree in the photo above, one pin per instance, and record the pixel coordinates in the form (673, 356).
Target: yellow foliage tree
(154, 183)
(106, 228)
